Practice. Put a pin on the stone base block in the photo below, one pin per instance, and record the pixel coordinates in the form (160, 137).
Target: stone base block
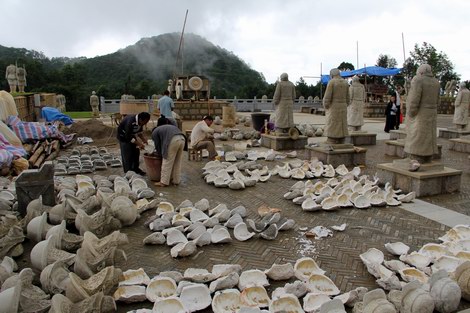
(460, 144)
(349, 157)
(397, 134)
(283, 142)
(423, 183)
(397, 148)
(361, 139)
(452, 133)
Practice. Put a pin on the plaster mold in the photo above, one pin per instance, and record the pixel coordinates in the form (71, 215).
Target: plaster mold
(169, 305)
(37, 228)
(252, 278)
(220, 235)
(462, 277)
(286, 303)
(226, 301)
(434, 251)
(410, 274)
(375, 301)
(416, 299)
(445, 292)
(55, 277)
(65, 240)
(255, 296)
(78, 289)
(318, 283)
(134, 277)
(160, 287)
(155, 238)
(280, 271)
(174, 236)
(44, 253)
(225, 282)
(130, 294)
(270, 233)
(416, 259)
(241, 233)
(397, 248)
(220, 270)
(305, 267)
(196, 297)
(313, 302)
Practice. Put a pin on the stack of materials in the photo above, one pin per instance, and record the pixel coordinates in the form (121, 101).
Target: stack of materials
(41, 152)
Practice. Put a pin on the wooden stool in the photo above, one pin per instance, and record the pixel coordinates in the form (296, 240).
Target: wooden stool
(194, 155)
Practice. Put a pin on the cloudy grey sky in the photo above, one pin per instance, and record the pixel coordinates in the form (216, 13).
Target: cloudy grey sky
(273, 36)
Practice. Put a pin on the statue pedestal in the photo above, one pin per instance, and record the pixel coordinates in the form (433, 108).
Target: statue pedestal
(431, 178)
(283, 142)
(397, 134)
(460, 144)
(453, 133)
(361, 138)
(337, 154)
(397, 148)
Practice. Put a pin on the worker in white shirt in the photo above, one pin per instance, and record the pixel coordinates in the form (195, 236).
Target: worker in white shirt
(202, 137)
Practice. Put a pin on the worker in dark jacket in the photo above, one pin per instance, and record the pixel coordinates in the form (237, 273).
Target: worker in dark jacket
(131, 140)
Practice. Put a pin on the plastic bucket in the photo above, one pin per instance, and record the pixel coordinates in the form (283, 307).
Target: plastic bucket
(153, 164)
(258, 120)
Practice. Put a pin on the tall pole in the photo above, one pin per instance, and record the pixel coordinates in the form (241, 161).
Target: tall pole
(357, 55)
(180, 45)
(403, 44)
(321, 83)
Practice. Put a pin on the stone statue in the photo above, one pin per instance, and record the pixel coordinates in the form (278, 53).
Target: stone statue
(357, 95)
(335, 102)
(450, 88)
(21, 78)
(301, 99)
(170, 86)
(179, 90)
(284, 101)
(421, 115)
(264, 99)
(94, 103)
(462, 103)
(10, 75)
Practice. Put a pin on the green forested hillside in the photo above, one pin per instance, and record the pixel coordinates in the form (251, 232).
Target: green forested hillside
(142, 69)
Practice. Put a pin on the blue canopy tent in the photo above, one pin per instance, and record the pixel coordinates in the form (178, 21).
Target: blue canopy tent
(368, 70)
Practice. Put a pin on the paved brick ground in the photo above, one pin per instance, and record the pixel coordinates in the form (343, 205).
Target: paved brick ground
(338, 255)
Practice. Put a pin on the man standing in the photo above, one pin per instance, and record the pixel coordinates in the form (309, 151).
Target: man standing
(284, 100)
(202, 136)
(336, 102)
(166, 106)
(131, 140)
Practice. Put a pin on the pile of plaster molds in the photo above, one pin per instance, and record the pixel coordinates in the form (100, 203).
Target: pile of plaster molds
(229, 289)
(86, 160)
(189, 226)
(338, 188)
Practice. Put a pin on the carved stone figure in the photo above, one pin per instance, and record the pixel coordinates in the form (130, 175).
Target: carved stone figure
(179, 90)
(54, 277)
(445, 292)
(100, 223)
(462, 103)
(95, 103)
(45, 253)
(284, 101)
(170, 86)
(10, 75)
(421, 115)
(10, 245)
(335, 102)
(450, 88)
(21, 78)
(357, 96)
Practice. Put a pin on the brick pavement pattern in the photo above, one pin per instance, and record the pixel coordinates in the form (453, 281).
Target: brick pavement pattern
(337, 255)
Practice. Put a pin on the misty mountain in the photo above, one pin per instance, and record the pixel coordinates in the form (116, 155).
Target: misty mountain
(141, 69)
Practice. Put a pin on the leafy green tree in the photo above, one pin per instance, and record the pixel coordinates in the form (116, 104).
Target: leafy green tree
(301, 88)
(346, 66)
(441, 66)
(387, 61)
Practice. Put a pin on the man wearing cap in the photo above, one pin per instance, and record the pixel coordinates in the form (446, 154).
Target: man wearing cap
(202, 136)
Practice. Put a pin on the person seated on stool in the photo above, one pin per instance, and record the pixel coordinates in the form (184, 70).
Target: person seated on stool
(132, 140)
(169, 144)
(202, 137)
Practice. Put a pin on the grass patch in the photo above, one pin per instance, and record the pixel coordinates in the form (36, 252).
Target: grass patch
(79, 114)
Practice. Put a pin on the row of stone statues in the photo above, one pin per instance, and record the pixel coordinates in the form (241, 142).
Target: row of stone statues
(16, 77)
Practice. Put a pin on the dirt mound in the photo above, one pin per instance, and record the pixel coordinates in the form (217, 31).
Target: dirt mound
(93, 128)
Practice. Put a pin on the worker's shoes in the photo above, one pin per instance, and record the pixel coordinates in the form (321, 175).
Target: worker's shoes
(140, 172)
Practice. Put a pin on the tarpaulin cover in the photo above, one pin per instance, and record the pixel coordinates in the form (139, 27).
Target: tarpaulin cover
(8, 152)
(52, 114)
(32, 131)
(368, 70)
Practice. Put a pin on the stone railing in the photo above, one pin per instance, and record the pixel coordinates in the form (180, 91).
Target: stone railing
(241, 105)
